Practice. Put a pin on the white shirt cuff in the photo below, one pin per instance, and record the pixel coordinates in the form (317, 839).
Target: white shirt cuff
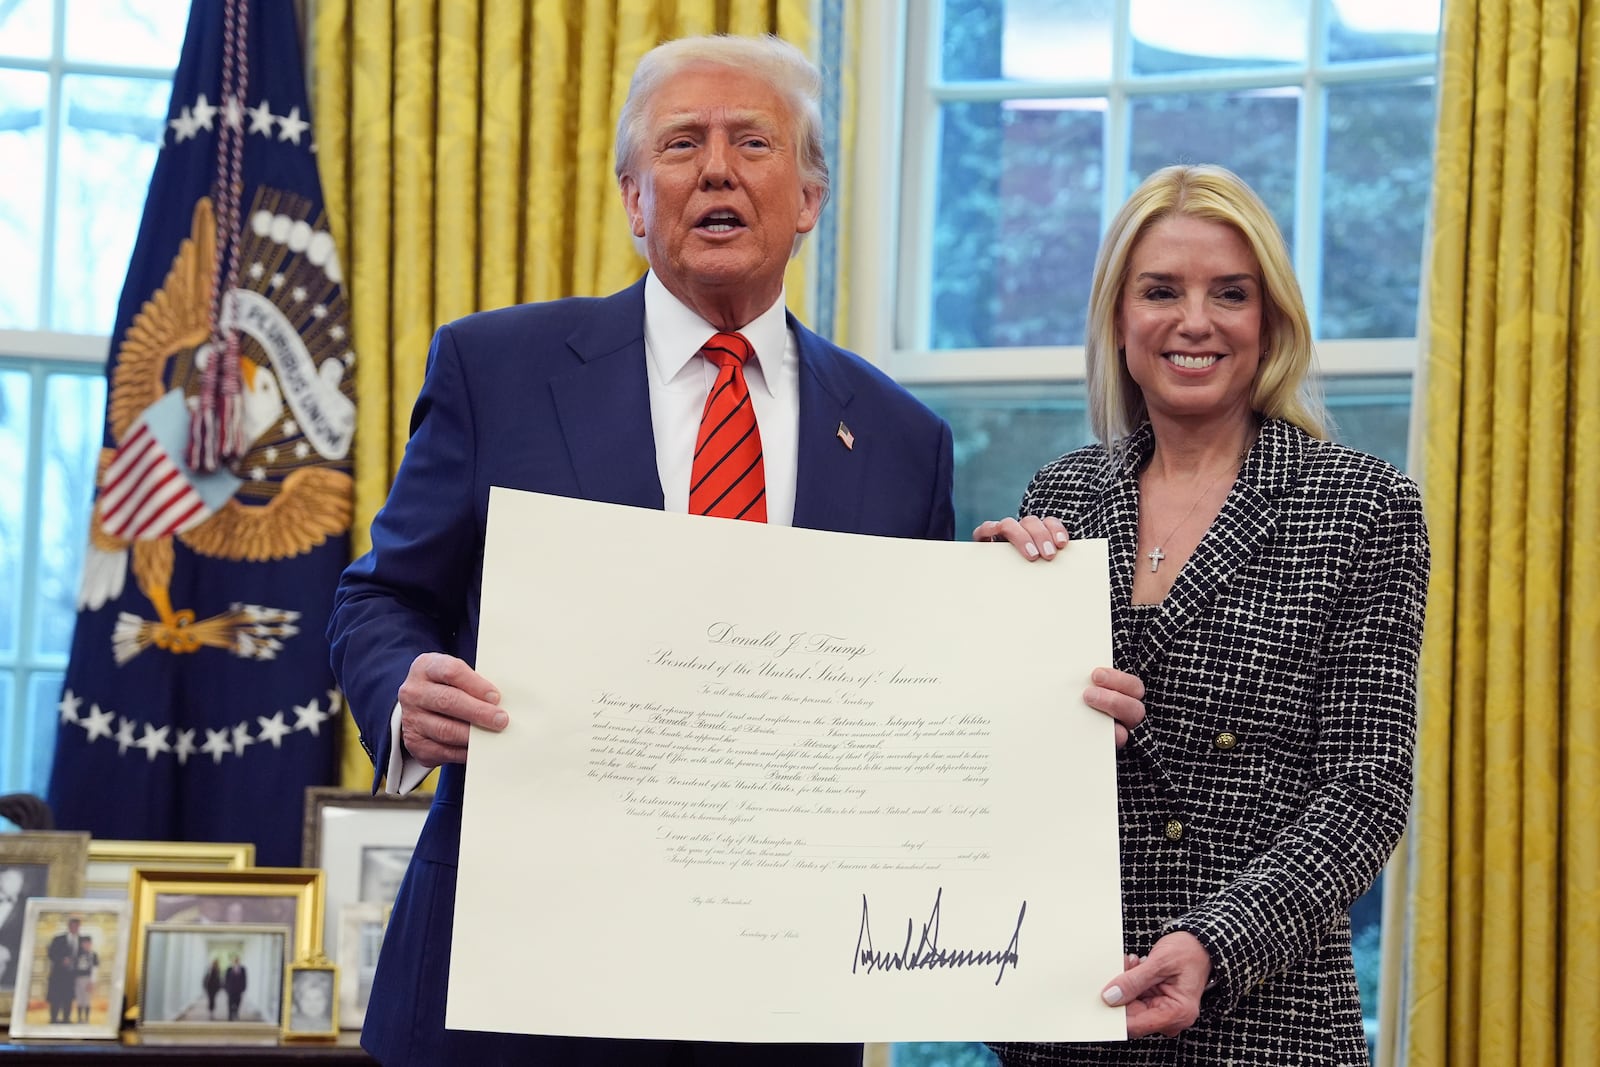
(404, 773)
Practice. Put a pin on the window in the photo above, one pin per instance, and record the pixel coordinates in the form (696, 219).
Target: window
(1001, 136)
(83, 101)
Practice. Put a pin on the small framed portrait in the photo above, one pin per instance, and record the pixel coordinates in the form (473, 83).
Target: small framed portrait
(281, 896)
(111, 863)
(74, 958)
(311, 990)
(33, 865)
(363, 842)
(361, 927)
(206, 979)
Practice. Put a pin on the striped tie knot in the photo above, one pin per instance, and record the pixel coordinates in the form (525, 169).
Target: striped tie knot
(728, 479)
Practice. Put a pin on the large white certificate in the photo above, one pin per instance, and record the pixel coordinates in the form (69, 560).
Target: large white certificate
(769, 784)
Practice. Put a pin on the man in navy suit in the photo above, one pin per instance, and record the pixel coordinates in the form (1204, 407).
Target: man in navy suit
(721, 170)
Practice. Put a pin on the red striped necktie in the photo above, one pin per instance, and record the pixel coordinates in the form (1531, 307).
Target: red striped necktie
(728, 479)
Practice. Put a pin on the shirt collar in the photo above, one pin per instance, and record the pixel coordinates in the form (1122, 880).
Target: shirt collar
(675, 334)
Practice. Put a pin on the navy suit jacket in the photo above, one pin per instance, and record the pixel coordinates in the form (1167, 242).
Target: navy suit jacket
(554, 398)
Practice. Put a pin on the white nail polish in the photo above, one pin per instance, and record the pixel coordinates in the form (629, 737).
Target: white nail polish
(1031, 550)
(1112, 996)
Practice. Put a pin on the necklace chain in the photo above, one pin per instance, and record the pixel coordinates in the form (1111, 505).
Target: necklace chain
(1155, 555)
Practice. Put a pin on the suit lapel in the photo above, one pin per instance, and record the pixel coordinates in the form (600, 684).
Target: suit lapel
(604, 404)
(829, 476)
(1248, 518)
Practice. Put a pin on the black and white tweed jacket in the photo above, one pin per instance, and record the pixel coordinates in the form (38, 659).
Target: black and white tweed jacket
(1272, 777)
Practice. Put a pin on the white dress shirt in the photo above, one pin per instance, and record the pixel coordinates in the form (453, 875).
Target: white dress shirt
(680, 380)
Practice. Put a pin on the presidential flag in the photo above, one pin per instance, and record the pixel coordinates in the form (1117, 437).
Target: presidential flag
(198, 702)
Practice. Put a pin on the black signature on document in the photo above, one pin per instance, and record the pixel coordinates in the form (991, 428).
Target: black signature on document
(927, 954)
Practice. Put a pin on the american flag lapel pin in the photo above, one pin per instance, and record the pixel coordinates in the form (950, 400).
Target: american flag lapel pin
(847, 437)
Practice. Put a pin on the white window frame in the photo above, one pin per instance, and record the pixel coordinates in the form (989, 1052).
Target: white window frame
(895, 140)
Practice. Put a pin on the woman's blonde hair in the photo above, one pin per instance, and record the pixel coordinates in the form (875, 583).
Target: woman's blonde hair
(1284, 386)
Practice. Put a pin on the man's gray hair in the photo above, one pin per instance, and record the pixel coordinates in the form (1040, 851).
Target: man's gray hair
(774, 60)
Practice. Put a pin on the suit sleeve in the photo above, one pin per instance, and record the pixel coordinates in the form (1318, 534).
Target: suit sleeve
(408, 594)
(1287, 899)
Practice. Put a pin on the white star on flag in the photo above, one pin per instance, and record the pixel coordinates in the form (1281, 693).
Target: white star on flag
(261, 118)
(274, 729)
(154, 741)
(309, 717)
(70, 703)
(96, 724)
(185, 746)
(183, 125)
(217, 744)
(242, 738)
(124, 735)
(292, 125)
(233, 112)
(203, 112)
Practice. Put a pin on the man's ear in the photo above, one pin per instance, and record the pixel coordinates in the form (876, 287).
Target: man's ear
(630, 203)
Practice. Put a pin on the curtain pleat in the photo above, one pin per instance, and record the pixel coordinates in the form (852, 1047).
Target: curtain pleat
(1505, 859)
(466, 148)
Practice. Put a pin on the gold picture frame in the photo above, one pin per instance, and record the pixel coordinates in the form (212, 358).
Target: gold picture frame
(290, 896)
(311, 1002)
(111, 863)
(42, 864)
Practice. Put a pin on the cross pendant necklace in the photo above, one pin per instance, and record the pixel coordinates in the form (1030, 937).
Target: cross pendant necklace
(1155, 555)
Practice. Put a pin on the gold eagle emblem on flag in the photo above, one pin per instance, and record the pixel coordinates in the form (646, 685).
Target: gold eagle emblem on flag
(291, 488)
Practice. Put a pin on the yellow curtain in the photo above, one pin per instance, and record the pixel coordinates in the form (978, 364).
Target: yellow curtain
(465, 148)
(1504, 963)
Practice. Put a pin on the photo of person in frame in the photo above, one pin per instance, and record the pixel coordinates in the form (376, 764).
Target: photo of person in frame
(18, 882)
(69, 980)
(61, 987)
(382, 867)
(311, 1001)
(175, 990)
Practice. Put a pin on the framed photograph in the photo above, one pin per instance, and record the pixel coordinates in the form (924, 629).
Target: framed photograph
(364, 843)
(111, 863)
(281, 896)
(33, 865)
(74, 957)
(212, 980)
(360, 929)
(310, 989)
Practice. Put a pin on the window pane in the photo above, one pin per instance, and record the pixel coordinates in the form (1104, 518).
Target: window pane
(1027, 40)
(1003, 434)
(1175, 36)
(1375, 208)
(22, 152)
(146, 33)
(940, 1054)
(25, 29)
(1017, 222)
(74, 413)
(14, 419)
(1371, 413)
(10, 755)
(1251, 132)
(1382, 29)
(112, 133)
(44, 694)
